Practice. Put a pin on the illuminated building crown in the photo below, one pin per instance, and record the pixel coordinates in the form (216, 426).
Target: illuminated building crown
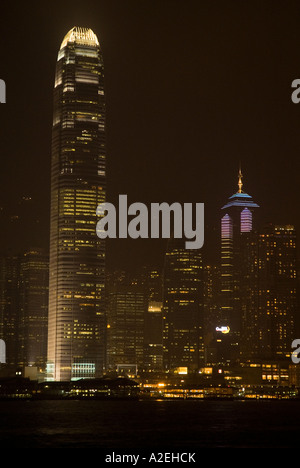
(240, 198)
(82, 36)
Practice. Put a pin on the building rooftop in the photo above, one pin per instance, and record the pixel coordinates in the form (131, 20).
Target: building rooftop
(82, 36)
(240, 198)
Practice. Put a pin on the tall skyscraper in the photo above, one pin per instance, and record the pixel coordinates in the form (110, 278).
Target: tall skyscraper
(24, 308)
(238, 270)
(153, 339)
(212, 313)
(77, 256)
(183, 344)
(278, 285)
(10, 267)
(126, 308)
(33, 312)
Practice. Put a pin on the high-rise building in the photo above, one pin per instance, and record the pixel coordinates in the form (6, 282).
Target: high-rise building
(126, 309)
(153, 336)
(238, 271)
(278, 302)
(212, 313)
(77, 256)
(24, 308)
(33, 313)
(10, 307)
(183, 344)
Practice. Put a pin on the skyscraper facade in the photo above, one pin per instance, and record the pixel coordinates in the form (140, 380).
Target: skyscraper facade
(212, 313)
(33, 312)
(77, 256)
(183, 345)
(10, 267)
(278, 289)
(126, 308)
(24, 308)
(153, 339)
(238, 270)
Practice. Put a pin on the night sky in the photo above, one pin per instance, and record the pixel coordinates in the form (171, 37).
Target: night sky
(192, 89)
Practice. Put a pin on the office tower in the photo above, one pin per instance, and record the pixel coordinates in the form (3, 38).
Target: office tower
(24, 308)
(249, 295)
(153, 336)
(77, 256)
(238, 271)
(126, 308)
(10, 307)
(182, 308)
(212, 314)
(278, 304)
(33, 312)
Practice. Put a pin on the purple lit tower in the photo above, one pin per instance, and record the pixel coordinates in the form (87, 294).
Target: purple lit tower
(238, 274)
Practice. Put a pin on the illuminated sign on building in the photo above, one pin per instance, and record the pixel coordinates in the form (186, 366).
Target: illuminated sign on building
(182, 370)
(223, 329)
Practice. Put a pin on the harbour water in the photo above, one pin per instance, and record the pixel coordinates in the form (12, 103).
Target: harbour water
(147, 426)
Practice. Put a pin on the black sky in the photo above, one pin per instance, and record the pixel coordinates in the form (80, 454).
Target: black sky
(192, 88)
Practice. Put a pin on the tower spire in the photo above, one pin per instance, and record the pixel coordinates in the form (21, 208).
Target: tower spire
(240, 183)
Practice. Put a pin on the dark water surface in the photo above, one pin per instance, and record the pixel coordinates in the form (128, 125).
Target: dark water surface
(133, 426)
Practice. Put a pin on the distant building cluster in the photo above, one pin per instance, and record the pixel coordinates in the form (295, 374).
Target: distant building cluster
(24, 282)
(63, 317)
(188, 319)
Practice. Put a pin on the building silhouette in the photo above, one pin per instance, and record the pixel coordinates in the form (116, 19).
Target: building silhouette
(10, 268)
(238, 271)
(127, 304)
(77, 256)
(33, 322)
(278, 291)
(183, 344)
(24, 283)
(212, 310)
(153, 335)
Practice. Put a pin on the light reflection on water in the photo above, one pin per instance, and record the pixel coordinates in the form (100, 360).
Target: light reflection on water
(149, 425)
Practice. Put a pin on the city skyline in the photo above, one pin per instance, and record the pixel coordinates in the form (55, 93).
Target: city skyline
(78, 343)
(123, 123)
(255, 124)
(119, 328)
